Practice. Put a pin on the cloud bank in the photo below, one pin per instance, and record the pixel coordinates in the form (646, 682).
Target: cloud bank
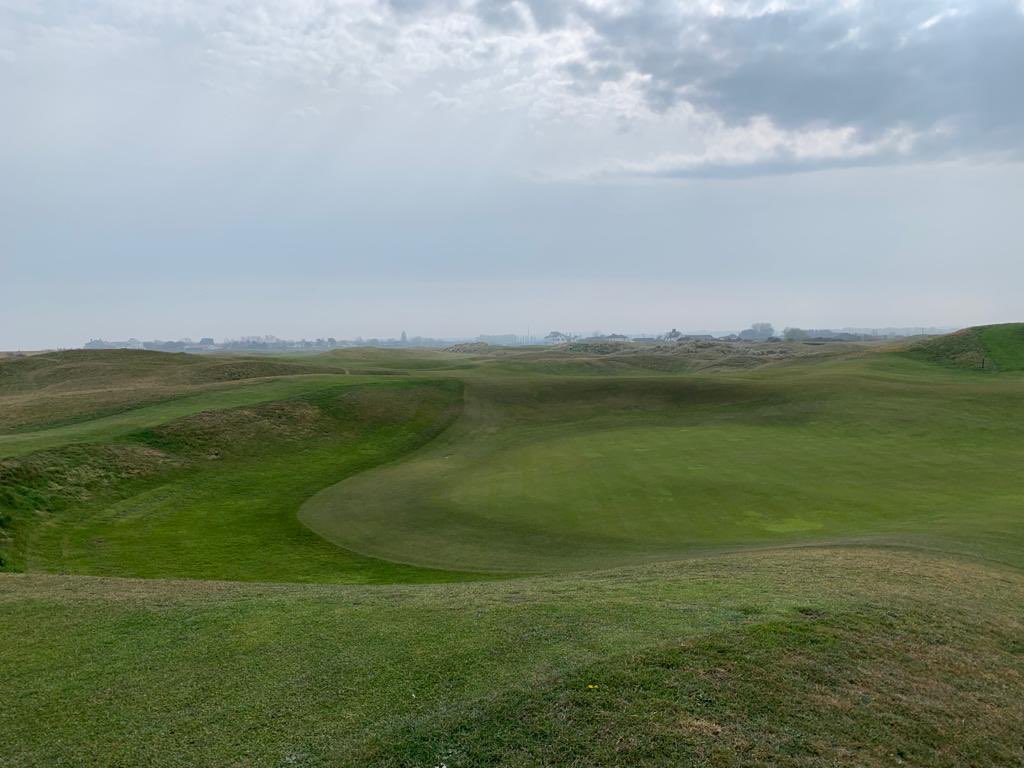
(591, 89)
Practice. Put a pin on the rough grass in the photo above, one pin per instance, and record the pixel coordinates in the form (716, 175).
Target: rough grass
(142, 415)
(37, 487)
(54, 388)
(805, 658)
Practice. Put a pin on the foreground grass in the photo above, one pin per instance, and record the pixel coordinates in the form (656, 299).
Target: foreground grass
(799, 658)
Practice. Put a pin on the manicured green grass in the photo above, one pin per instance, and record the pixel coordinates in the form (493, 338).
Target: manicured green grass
(806, 658)
(568, 475)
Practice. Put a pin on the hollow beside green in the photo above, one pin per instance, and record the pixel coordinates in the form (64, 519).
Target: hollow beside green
(214, 495)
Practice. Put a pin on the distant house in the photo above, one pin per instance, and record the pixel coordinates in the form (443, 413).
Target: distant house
(101, 344)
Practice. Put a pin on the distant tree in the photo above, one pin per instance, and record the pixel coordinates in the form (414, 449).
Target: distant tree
(673, 335)
(794, 334)
(405, 338)
(758, 332)
(556, 337)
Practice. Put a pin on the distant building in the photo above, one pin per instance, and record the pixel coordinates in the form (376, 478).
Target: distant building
(101, 344)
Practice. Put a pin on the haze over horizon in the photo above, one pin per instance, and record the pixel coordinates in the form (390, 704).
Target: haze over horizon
(451, 168)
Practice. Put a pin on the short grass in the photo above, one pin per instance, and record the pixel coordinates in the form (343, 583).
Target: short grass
(807, 658)
(563, 474)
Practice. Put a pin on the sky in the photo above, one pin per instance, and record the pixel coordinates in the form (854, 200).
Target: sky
(305, 168)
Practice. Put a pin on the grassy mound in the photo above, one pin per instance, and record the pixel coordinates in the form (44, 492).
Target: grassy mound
(806, 658)
(1004, 345)
(55, 388)
(991, 348)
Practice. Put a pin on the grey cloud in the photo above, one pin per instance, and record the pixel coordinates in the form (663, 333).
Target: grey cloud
(781, 163)
(502, 14)
(509, 14)
(872, 68)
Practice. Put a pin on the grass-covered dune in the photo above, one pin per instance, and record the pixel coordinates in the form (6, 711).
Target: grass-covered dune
(72, 386)
(639, 556)
(992, 348)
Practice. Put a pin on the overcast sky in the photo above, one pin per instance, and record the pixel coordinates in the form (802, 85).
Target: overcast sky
(175, 168)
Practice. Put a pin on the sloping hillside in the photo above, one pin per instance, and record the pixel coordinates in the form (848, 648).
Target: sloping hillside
(992, 348)
(1004, 345)
(56, 387)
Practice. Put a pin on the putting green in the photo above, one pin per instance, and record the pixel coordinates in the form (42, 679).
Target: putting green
(583, 488)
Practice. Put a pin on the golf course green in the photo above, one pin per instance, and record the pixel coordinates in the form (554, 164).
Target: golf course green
(775, 554)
